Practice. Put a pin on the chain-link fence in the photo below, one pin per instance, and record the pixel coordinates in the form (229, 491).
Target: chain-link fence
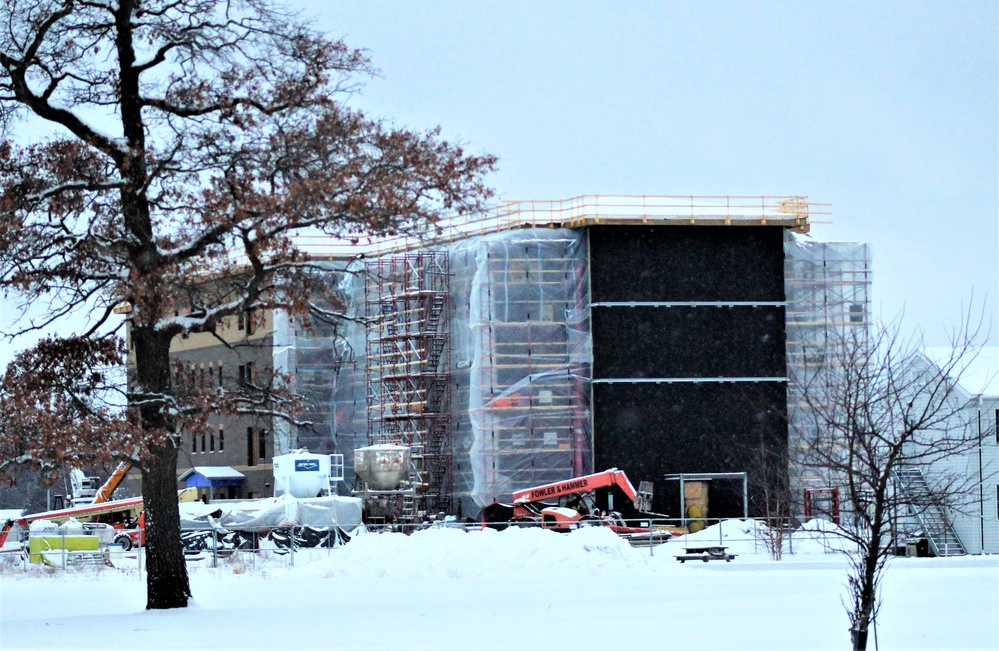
(212, 547)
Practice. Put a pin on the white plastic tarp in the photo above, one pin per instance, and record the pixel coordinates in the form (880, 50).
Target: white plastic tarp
(271, 513)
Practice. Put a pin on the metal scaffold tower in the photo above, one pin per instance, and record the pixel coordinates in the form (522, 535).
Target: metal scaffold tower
(828, 287)
(408, 349)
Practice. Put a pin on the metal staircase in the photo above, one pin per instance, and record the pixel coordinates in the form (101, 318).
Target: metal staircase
(930, 515)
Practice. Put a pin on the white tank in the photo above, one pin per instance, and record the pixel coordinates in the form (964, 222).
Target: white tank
(301, 474)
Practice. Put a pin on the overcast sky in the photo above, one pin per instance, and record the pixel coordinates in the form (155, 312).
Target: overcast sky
(888, 111)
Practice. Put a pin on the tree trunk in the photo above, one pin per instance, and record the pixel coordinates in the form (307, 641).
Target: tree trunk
(859, 639)
(868, 589)
(167, 584)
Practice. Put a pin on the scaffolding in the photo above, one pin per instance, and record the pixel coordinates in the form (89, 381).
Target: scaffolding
(502, 321)
(828, 286)
(527, 349)
(408, 362)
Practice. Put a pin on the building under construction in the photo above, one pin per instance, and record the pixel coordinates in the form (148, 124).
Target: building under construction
(549, 339)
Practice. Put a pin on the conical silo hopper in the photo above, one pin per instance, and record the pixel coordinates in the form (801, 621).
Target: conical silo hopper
(382, 467)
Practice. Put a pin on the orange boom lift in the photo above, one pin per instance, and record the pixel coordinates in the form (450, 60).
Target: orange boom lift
(572, 503)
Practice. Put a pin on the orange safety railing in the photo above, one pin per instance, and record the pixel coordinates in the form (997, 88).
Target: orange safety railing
(792, 212)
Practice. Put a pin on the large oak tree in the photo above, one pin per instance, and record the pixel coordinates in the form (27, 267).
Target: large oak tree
(165, 155)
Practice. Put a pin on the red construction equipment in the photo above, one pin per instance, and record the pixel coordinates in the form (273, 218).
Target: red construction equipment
(569, 504)
(105, 492)
(126, 516)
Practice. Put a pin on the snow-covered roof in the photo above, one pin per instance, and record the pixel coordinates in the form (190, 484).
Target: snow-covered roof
(213, 472)
(10, 514)
(979, 376)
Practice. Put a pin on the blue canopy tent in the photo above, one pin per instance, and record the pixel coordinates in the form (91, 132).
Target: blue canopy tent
(212, 477)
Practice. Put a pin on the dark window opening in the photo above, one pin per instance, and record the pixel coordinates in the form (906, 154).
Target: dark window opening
(211, 443)
(262, 440)
(203, 446)
(220, 374)
(250, 461)
(221, 440)
(194, 442)
(242, 374)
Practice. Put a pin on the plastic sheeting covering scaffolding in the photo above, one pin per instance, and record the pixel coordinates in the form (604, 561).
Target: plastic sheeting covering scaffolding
(521, 353)
(828, 287)
(520, 364)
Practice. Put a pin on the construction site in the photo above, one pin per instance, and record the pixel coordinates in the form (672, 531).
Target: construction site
(619, 360)
(549, 339)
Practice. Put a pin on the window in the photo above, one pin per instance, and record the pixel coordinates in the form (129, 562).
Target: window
(221, 440)
(856, 313)
(211, 443)
(249, 372)
(262, 439)
(246, 321)
(242, 374)
(249, 447)
(220, 375)
(194, 442)
(997, 426)
(203, 446)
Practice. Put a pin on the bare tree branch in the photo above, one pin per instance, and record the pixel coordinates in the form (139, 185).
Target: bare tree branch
(875, 407)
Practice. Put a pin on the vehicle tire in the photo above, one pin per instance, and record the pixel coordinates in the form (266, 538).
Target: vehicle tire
(124, 540)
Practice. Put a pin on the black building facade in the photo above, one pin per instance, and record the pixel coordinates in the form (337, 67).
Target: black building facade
(689, 362)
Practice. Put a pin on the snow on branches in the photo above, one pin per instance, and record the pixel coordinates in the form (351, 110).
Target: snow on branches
(191, 145)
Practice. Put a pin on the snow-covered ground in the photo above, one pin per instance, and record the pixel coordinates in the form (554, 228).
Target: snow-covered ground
(516, 589)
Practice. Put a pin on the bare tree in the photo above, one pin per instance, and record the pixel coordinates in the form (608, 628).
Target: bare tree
(179, 141)
(877, 407)
(767, 474)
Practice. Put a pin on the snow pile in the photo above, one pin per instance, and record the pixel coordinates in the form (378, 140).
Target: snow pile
(749, 537)
(820, 536)
(39, 526)
(519, 588)
(484, 553)
(533, 552)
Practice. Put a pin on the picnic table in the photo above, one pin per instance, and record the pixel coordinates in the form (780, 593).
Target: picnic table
(706, 553)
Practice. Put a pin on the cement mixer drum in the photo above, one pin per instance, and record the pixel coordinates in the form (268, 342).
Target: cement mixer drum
(383, 466)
